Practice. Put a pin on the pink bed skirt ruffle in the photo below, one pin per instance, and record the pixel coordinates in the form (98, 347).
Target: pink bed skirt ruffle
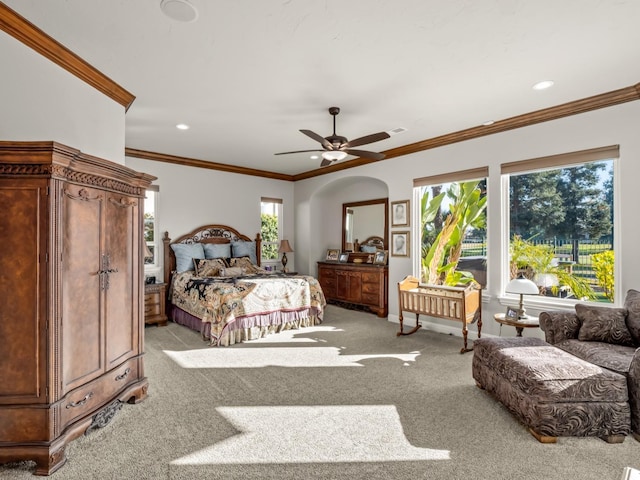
(250, 327)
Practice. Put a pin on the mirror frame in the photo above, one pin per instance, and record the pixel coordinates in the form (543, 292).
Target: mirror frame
(376, 201)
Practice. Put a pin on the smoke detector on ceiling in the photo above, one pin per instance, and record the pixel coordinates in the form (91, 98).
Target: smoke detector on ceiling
(179, 10)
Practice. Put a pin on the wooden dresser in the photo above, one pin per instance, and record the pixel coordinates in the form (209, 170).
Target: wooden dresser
(71, 286)
(364, 284)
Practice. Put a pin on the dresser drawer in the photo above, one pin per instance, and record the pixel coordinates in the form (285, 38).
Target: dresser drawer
(370, 277)
(370, 288)
(151, 309)
(370, 298)
(87, 398)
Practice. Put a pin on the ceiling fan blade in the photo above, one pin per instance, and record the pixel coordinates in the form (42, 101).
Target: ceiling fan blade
(298, 151)
(325, 162)
(364, 154)
(323, 141)
(374, 137)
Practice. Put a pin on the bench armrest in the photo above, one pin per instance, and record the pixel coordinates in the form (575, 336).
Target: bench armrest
(559, 325)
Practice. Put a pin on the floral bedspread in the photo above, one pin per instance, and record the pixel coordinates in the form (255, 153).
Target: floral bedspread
(223, 300)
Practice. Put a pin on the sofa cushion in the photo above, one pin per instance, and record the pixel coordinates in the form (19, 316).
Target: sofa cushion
(603, 324)
(632, 304)
(616, 358)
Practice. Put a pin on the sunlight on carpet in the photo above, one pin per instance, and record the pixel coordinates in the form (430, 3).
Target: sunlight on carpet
(278, 357)
(297, 335)
(312, 434)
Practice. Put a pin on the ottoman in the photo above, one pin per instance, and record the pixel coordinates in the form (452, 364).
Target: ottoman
(552, 392)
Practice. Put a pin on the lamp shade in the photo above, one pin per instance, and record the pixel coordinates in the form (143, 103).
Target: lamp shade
(334, 155)
(522, 286)
(285, 247)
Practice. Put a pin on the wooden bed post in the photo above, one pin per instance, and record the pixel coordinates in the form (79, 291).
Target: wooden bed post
(258, 249)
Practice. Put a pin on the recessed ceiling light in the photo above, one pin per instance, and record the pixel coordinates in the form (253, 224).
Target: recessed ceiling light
(543, 85)
(179, 10)
(488, 122)
(314, 157)
(182, 126)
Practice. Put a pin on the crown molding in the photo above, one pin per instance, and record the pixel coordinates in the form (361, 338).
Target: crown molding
(24, 31)
(604, 100)
(192, 162)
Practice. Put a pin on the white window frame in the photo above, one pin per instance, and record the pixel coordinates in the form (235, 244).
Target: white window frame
(150, 268)
(572, 159)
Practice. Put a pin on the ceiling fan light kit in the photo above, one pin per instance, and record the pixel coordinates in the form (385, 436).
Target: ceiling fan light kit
(334, 155)
(336, 147)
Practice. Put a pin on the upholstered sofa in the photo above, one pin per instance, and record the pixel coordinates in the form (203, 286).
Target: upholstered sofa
(604, 336)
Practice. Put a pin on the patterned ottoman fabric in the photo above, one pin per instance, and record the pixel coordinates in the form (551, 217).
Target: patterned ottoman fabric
(551, 391)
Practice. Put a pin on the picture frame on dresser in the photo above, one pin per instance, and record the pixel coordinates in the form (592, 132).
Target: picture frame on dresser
(344, 257)
(332, 254)
(380, 257)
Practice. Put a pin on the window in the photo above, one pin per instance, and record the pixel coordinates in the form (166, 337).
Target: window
(561, 223)
(151, 259)
(452, 231)
(271, 228)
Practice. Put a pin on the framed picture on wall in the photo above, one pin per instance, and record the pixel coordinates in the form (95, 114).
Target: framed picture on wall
(400, 213)
(399, 244)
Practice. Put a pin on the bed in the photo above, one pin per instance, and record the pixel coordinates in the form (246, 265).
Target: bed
(218, 288)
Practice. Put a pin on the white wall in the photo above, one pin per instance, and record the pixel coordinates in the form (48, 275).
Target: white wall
(191, 197)
(615, 125)
(41, 101)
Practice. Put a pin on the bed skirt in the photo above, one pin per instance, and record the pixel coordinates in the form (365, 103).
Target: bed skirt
(248, 328)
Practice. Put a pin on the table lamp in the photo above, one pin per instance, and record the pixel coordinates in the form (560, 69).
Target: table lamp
(522, 286)
(284, 249)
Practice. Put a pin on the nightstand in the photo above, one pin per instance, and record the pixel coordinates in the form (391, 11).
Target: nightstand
(154, 303)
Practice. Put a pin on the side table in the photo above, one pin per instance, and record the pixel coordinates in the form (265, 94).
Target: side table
(154, 303)
(530, 322)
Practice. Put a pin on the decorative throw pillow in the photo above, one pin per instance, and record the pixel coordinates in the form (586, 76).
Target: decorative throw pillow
(185, 253)
(245, 264)
(603, 324)
(244, 249)
(632, 304)
(217, 250)
(210, 267)
(232, 272)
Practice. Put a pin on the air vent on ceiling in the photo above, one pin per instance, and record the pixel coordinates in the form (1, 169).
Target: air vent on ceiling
(396, 131)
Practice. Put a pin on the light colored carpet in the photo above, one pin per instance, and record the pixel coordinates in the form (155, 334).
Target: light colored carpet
(344, 400)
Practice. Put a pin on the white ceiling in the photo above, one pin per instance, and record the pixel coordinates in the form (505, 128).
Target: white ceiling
(248, 74)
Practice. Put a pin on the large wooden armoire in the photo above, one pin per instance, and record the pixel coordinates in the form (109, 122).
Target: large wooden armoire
(71, 290)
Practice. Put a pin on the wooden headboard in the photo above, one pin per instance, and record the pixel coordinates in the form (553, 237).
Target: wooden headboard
(204, 234)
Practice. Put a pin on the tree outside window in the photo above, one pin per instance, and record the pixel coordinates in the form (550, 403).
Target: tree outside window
(453, 233)
(561, 219)
(271, 228)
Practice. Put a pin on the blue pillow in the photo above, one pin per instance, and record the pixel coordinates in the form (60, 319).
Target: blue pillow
(185, 253)
(217, 250)
(244, 249)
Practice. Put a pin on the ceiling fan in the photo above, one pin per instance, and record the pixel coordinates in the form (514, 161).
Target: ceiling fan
(336, 147)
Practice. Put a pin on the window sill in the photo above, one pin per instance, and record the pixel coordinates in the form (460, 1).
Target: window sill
(539, 302)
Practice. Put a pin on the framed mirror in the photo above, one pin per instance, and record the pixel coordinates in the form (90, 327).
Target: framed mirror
(366, 220)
